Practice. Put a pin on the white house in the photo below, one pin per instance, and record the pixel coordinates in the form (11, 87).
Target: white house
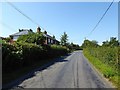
(49, 39)
(20, 33)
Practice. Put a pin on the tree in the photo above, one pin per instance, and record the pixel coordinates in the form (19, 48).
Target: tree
(37, 38)
(8, 39)
(74, 46)
(64, 39)
(105, 43)
(40, 39)
(95, 42)
(113, 42)
(53, 37)
(88, 43)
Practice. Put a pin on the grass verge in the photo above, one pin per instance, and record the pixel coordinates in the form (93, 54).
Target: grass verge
(108, 72)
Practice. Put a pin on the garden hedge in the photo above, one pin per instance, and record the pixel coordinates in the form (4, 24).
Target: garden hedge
(19, 55)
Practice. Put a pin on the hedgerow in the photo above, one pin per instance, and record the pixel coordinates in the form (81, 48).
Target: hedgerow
(20, 54)
(105, 59)
(108, 55)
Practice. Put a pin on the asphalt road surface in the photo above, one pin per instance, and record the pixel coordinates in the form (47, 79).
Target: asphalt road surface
(74, 71)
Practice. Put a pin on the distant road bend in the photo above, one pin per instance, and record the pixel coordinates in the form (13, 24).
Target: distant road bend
(74, 71)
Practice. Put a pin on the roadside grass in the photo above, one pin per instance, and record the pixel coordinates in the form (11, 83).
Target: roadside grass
(107, 71)
(11, 76)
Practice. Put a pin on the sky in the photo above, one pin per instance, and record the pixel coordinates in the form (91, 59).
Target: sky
(77, 19)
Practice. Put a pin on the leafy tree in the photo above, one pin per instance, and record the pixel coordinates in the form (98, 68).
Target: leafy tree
(64, 39)
(8, 39)
(105, 43)
(73, 46)
(113, 42)
(37, 38)
(53, 37)
(88, 43)
(94, 42)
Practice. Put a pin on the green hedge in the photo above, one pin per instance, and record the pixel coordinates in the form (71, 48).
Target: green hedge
(11, 57)
(20, 55)
(108, 55)
(106, 60)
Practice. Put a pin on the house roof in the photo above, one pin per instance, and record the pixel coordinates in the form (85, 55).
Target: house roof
(23, 32)
(26, 31)
(46, 35)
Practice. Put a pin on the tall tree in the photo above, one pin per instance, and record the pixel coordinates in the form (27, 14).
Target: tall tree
(88, 43)
(64, 39)
(113, 42)
(105, 43)
(37, 38)
(95, 42)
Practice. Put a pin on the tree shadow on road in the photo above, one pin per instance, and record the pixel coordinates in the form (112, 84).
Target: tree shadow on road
(31, 74)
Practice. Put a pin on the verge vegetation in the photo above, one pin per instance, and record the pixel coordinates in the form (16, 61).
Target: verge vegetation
(105, 58)
(30, 52)
(27, 53)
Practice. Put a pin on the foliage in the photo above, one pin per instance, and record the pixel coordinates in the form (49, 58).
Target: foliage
(88, 43)
(11, 57)
(107, 55)
(73, 46)
(64, 39)
(113, 42)
(36, 38)
(21, 54)
(106, 60)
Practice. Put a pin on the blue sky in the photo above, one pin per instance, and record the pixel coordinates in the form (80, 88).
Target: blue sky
(76, 19)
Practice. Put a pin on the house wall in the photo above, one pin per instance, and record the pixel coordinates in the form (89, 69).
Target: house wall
(50, 41)
(15, 38)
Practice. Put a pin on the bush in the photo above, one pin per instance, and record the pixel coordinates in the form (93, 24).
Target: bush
(11, 57)
(25, 54)
(105, 59)
(35, 38)
(107, 55)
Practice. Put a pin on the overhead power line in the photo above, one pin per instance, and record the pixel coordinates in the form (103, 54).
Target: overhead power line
(101, 18)
(25, 15)
(7, 26)
(22, 13)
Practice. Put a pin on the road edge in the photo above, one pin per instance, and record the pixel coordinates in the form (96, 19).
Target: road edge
(100, 74)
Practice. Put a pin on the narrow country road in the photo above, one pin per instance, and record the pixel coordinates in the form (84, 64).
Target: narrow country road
(74, 71)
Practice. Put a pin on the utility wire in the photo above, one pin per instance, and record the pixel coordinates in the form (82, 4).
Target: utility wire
(100, 19)
(22, 13)
(34, 23)
(7, 26)
(25, 15)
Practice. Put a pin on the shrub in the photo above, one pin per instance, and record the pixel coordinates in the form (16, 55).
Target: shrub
(11, 57)
(107, 55)
(106, 59)
(36, 38)
(24, 54)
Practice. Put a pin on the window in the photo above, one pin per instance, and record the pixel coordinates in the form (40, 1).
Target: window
(48, 40)
(15, 38)
(52, 41)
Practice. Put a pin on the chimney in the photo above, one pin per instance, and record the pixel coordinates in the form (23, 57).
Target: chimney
(38, 29)
(20, 30)
(45, 32)
(31, 30)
